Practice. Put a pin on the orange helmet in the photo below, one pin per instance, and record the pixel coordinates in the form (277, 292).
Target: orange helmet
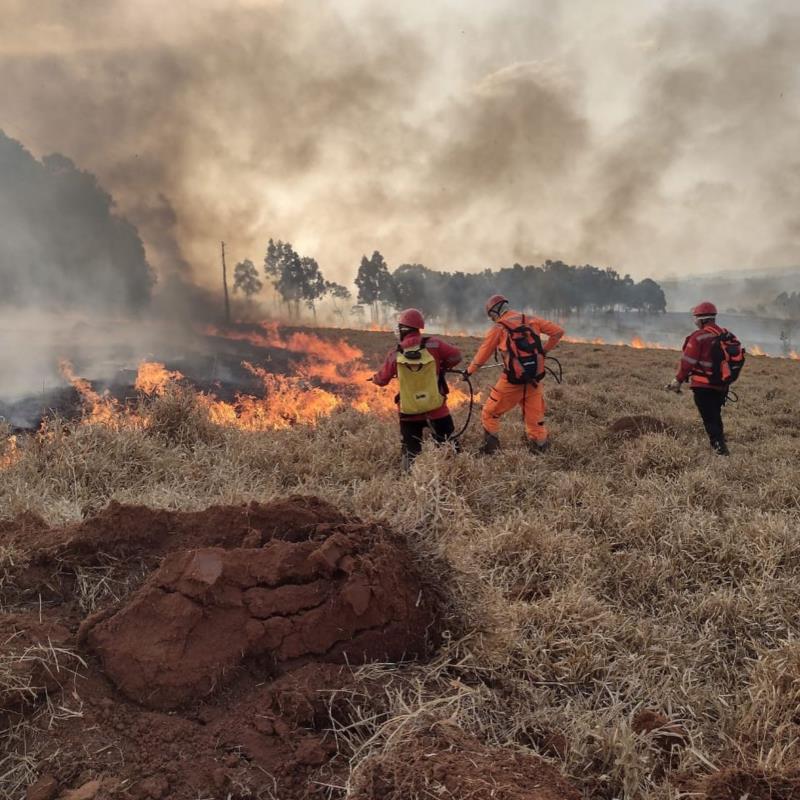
(705, 309)
(411, 318)
(494, 302)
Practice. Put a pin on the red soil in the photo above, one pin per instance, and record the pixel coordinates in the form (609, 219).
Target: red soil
(348, 599)
(246, 626)
(444, 761)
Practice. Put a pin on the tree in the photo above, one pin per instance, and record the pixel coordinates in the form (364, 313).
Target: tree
(648, 296)
(357, 311)
(375, 284)
(312, 285)
(337, 292)
(789, 304)
(282, 267)
(245, 278)
(295, 278)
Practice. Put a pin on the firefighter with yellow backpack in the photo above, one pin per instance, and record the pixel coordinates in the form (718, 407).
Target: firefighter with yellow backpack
(419, 363)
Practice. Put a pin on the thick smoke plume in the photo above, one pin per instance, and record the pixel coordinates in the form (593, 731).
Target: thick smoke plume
(658, 139)
(61, 244)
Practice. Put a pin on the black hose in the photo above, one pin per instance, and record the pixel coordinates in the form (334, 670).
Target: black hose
(465, 376)
(557, 377)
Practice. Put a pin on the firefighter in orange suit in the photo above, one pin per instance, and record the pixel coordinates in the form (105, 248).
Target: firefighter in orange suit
(505, 395)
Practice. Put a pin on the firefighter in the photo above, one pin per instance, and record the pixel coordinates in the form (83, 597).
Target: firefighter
(515, 387)
(419, 363)
(709, 369)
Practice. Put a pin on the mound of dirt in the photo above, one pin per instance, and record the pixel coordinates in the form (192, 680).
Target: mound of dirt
(351, 598)
(735, 784)
(635, 426)
(664, 732)
(444, 761)
(127, 531)
(218, 663)
(122, 537)
(243, 618)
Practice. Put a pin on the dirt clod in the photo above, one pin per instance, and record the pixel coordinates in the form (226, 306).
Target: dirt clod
(444, 761)
(635, 426)
(665, 733)
(351, 598)
(45, 788)
(88, 791)
(736, 783)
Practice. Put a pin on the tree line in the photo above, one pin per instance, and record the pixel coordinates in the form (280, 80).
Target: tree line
(554, 288)
(788, 303)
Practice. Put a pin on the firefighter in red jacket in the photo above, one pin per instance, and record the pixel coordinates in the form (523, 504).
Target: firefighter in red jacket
(445, 356)
(696, 366)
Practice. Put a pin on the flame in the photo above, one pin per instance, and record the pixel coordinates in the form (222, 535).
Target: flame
(153, 378)
(755, 350)
(794, 355)
(9, 454)
(98, 409)
(637, 343)
(326, 375)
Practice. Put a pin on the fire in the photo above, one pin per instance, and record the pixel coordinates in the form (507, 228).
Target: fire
(9, 453)
(153, 378)
(755, 350)
(637, 343)
(583, 340)
(326, 375)
(794, 355)
(99, 409)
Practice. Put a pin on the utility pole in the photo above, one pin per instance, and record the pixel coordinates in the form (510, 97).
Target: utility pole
(225, 287)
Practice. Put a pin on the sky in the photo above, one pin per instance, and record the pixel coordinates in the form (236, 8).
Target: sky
(658, 138)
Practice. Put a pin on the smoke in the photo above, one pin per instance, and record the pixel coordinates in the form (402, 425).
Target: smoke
(61, 245)
(655, 138)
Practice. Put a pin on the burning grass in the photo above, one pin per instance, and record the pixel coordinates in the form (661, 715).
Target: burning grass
(610, 577)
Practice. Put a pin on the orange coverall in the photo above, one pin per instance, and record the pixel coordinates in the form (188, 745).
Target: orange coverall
(504, 395)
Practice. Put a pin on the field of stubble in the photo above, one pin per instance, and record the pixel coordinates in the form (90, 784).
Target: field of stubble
(627, 607)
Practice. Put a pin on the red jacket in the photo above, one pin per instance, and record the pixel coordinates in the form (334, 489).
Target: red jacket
(446, 357)
(696, 361)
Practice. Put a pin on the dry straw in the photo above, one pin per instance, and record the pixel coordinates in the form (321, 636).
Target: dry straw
(606, 577)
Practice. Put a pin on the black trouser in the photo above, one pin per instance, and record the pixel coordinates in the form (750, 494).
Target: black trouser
(411, 433)
(709, 403)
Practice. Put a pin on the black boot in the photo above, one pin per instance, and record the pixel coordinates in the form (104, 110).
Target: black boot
(491, 444)
(720, 446)
(538, 447)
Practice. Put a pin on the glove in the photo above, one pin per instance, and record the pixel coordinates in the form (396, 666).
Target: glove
(674, 386)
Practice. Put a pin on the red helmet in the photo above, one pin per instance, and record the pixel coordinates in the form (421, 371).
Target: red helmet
(411, 318)
(493, 301)
(705, 309)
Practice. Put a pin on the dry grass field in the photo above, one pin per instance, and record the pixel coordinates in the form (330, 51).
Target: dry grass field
(628, 608)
